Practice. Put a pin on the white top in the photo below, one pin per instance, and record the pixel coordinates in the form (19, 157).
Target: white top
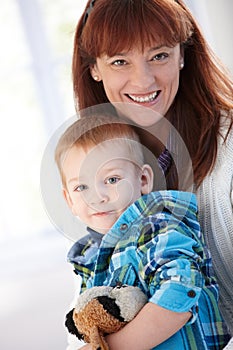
(215, 199)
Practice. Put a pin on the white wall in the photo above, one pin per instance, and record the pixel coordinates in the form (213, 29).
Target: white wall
(215, 18)
(36, 291)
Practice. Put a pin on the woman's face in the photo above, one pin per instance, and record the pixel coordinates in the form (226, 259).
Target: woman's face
(149, 78)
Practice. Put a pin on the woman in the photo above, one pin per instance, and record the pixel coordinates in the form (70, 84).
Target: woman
(151, 53)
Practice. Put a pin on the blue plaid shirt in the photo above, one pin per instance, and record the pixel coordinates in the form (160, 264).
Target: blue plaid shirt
(156, 245)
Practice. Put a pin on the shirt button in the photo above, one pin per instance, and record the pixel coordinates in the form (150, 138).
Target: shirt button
(191, 293)
(123, 227)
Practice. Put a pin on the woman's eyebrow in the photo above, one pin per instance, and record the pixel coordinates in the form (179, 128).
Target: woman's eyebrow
(124, 53)
(157, 47)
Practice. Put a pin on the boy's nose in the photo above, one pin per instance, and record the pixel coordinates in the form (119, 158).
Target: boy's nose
(98, 196)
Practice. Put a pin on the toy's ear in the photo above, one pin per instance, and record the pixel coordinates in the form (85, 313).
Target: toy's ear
(70, 325)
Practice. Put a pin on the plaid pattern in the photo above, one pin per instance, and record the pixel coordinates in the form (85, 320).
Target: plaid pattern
(156, 245)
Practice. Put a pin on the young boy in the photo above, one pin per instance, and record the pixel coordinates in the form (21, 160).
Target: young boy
(137, 237)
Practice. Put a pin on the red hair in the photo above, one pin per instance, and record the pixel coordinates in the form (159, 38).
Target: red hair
(205, 89)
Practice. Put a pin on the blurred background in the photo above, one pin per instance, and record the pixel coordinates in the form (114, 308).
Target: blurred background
(36, 282)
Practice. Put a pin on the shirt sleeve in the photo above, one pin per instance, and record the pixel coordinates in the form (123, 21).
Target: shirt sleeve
(170, 265)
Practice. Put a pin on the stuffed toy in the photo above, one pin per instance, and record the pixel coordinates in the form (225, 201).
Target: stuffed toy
(103, 310)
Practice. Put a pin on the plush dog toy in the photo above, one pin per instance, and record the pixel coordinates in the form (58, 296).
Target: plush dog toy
(103, 310)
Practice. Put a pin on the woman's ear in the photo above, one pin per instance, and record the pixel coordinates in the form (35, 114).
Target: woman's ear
(181, 63)
(95, 72)
(147, 178)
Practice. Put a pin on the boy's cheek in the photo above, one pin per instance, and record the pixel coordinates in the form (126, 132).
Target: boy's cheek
(127, 193)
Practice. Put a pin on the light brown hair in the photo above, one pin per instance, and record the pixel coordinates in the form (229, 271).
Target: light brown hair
(93, 130)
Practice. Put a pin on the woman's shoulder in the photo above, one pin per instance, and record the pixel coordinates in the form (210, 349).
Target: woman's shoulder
(225, 139)
(226, 128)
(221, 176)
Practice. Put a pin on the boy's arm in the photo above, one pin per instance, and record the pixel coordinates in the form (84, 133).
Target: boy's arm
(152, 326)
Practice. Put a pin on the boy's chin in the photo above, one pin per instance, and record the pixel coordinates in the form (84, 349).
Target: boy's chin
(102, 230)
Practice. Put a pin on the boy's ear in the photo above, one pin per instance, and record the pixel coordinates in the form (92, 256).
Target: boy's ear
(147, 178)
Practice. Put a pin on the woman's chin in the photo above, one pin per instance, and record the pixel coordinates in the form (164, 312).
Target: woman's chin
(144, 115)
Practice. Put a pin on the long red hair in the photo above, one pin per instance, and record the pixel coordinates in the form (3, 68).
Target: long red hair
(205, 89)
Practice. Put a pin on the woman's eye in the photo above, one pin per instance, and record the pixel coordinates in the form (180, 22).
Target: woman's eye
(160, 56)
(118, 63)
(112, 180)
(80, 188)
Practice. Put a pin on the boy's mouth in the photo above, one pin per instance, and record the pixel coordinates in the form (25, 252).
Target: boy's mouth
(103, 213)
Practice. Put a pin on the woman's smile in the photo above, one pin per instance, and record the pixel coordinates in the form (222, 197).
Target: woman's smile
(146, 98)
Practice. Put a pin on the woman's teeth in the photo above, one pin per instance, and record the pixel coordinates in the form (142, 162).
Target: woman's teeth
(143, 99)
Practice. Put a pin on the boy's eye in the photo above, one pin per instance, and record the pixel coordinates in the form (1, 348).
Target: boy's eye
(80, 188)
(112, 180)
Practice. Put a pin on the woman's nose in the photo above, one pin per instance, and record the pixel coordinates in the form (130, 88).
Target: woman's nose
(142, 76)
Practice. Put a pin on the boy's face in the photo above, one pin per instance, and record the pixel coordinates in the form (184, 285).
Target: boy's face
(102, 181)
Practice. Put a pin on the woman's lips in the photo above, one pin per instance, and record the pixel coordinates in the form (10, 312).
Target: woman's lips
(144, 98)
